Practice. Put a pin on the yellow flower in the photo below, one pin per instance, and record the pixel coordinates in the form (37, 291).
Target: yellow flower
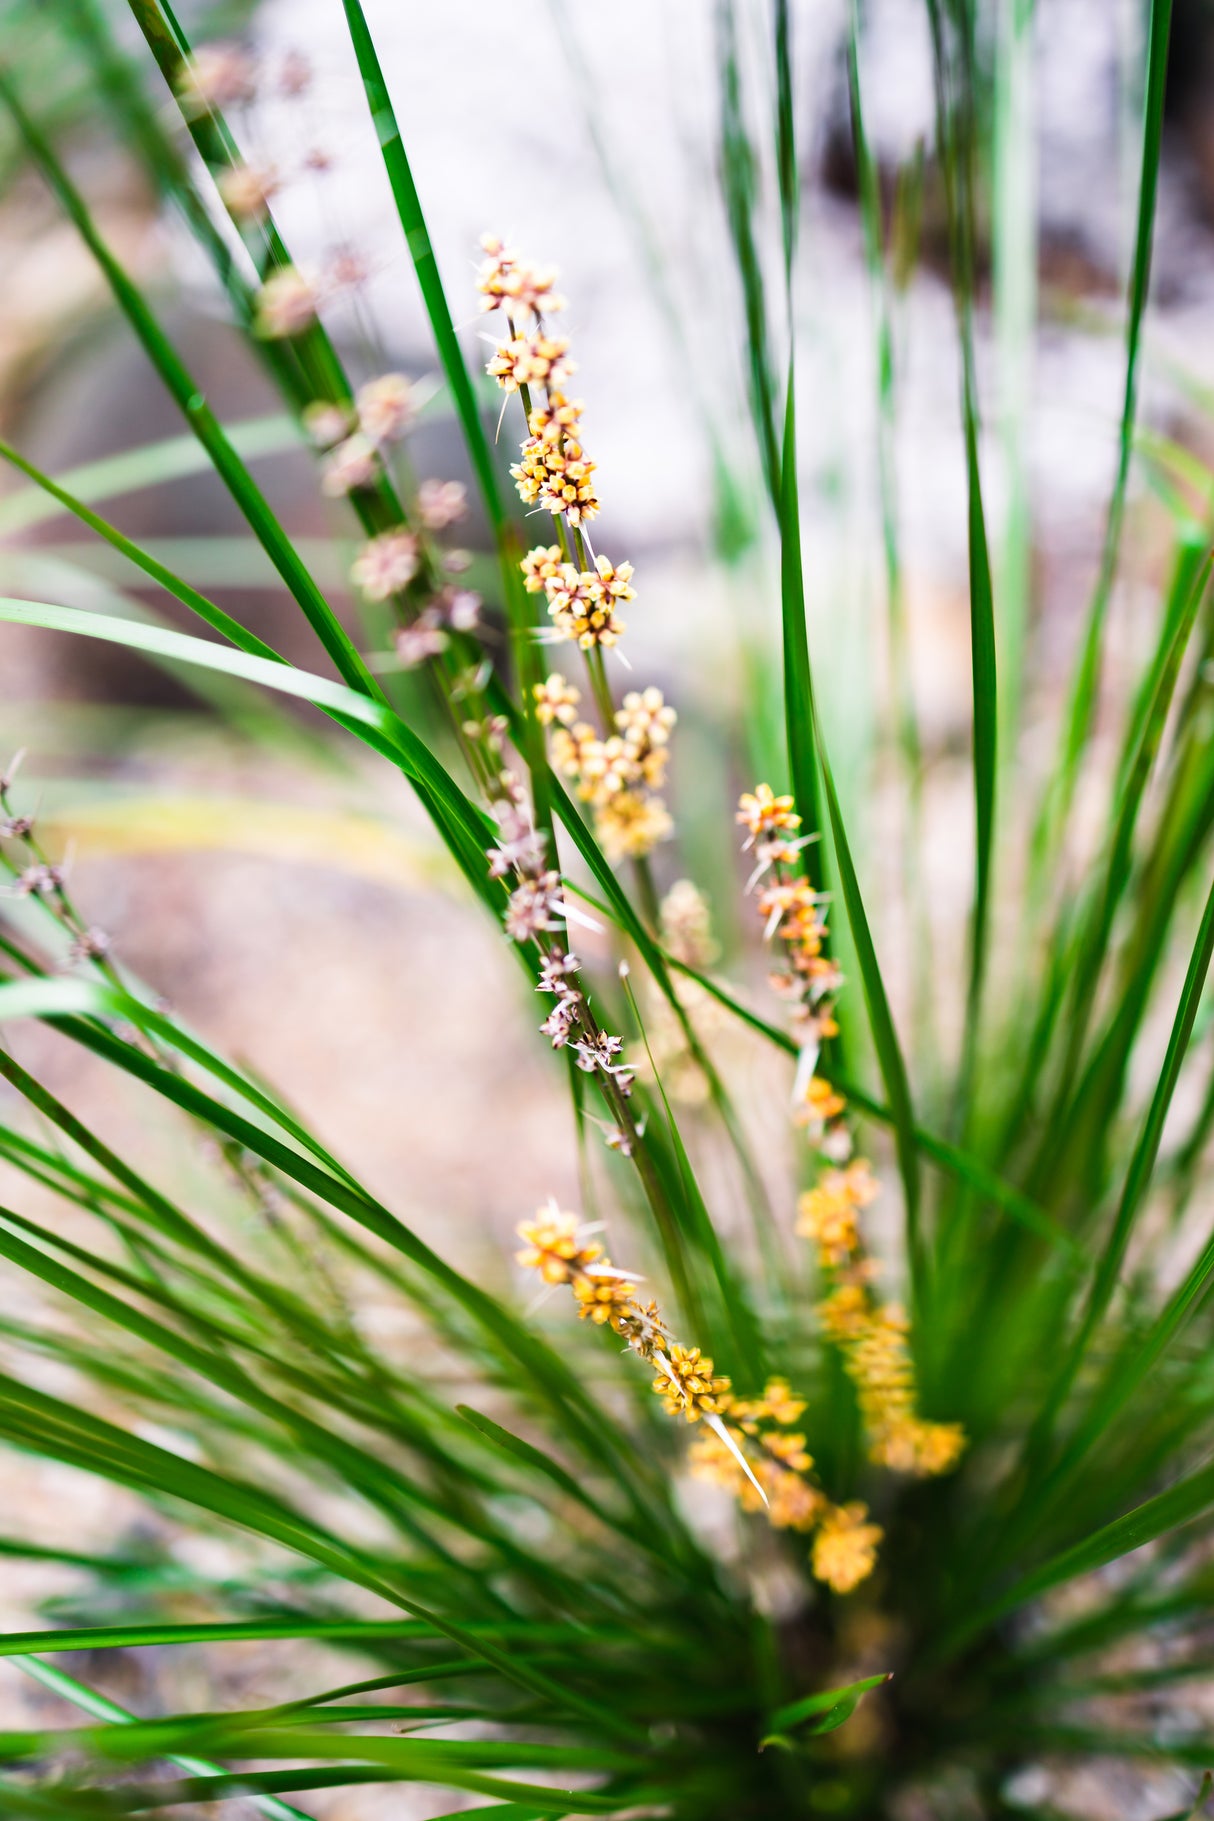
(844, 1313)
(788, 1449)
(529, 360)
(776, 1405)
(845, 1547)
(792, 1502)
(629, 825)
(763, 812)
(507, 278)
(553, 1248)
(827, 1214)
(686, 1383)
(911, 1445)
(551, 418)
(710, 1459)
(581, 607)
(781, 1405)
(820, 1103)
(603, 1298)
(555, 700)
(540, 566)
(557, 474)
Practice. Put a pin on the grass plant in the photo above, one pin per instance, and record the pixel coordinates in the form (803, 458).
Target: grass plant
(903, 1522)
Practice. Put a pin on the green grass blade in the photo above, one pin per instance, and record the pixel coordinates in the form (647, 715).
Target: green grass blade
(582, 1418)
(1142, 1161)
(1192, 574)
(45, 1425)
(986, 711)
(198, 414)
(90, 1702)
(799, 713)
(530, 1457)
(467, 830)
(355, 1632)
(215, 617)
(1082, 704)
(413, 222)
(885, 1039)
(739, 175)
(815, 1707)
(809, 763)
(1188, 1499)
(868, 184)
(417, 238)
(786, 141)
(154, 464)
(961, 1164)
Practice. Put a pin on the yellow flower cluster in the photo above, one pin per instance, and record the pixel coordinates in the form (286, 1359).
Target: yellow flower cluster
(873, 1341)
(508, 280)
(554, 1249)
(747, 1445)
(619, 769)
(871, 1336)
(553, 469)
(530, 360)
(556, 699)
(618, 776)
(582, 602)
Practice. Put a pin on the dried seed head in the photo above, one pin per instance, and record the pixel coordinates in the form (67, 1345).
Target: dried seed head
(89, 945)
(295, 75)
(417, 643)
(385, 408)
(216, 75)
(327, 423)
(354, 464)
(246, 190)
(687, 925)
(535, 906)
(286, 305)
(441, 503)
(385, 565)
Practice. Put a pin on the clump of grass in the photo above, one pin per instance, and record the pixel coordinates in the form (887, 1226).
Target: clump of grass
(534, 1609)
